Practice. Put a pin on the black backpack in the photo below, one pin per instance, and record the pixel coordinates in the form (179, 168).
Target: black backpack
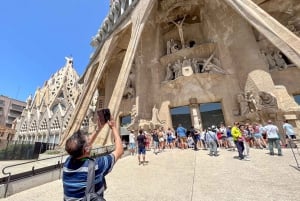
(90, 194)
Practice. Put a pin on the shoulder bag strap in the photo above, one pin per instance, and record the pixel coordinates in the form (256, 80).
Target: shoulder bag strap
(90, 187)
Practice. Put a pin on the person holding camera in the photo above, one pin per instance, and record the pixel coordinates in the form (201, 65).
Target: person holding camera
(75, 170)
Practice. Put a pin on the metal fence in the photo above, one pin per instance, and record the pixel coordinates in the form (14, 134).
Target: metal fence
(25, 150)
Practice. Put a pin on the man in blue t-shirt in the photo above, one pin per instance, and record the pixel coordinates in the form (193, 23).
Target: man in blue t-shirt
(181, 133)
(289, 131)
(75, 168)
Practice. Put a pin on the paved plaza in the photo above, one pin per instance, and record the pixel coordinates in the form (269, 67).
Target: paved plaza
(186, 175)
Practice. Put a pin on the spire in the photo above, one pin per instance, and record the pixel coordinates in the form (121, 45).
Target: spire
(69, 62)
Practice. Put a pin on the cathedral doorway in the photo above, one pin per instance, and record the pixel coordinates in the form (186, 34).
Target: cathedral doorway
(181, 115)
(211, 114)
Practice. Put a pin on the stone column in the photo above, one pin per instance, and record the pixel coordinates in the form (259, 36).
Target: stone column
(195, 114)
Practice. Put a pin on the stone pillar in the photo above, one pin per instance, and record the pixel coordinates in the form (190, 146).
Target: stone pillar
(195, 114)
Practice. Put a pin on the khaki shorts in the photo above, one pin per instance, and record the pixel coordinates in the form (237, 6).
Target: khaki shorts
(182, 139)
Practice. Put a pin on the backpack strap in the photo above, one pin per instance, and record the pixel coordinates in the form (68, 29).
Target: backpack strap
(90, 187)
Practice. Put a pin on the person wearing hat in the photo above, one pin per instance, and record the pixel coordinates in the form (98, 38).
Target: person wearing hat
(273, 137)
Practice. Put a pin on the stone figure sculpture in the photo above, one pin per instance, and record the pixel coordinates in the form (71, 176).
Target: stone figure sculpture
(271, 60)
(169, 73)
(267, 100)
(252, 103)
(280, 62)
(195, 65)
(175, 47)
(179, 25)
(155, 116)
(177, 68)
(208, 67)
(244, 107)
(116, 10)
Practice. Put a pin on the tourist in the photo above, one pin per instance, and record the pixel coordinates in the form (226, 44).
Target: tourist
(273, 137)
(181, 133)
(190, 142)
(245, 135)
(141, 140)
(211, 139)
(155, 141)
(75, 169)
(161, 139)
(258, 137)
(288, 131)
(132, 142)
(230, 141)
(238, 139)
(203, 144)
(170, 136)
(194, 134)
(223, 131)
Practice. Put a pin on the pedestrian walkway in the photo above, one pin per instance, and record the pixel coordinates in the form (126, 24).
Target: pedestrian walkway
(187, 175)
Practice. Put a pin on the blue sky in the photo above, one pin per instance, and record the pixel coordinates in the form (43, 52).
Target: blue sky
(36, 35)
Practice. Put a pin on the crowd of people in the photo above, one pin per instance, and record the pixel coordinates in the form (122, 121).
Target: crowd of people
(240, 137)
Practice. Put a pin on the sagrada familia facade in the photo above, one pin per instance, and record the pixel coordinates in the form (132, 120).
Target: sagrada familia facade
(48, 112)
(155, 57)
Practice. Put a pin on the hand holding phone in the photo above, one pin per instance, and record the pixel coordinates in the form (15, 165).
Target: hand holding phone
(103, 116)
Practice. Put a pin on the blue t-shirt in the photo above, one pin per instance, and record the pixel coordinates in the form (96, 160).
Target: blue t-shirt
(181, 131)
(288, 128)
(75, 176)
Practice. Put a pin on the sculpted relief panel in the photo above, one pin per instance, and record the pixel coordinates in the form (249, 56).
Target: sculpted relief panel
(190, 66)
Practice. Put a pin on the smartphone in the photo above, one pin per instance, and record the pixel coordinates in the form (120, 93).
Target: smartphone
(103, 115)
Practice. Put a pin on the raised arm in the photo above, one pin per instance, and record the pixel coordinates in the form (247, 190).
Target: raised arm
(118, 152)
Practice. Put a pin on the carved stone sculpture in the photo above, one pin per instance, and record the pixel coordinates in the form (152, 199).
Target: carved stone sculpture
(280, 63)
(244, 107)
(177, 69)
(169, 73)
(271, 60)
(116, 10)
(155, 117)
(179, 25)
(252, 103)
(267, 100)
(211, 67)
(195, 65)
(175, 47)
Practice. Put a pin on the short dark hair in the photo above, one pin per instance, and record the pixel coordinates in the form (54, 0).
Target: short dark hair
(75, 144)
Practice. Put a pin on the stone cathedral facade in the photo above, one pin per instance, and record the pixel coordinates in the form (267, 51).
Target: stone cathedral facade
(48, 112)
(196, 62)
